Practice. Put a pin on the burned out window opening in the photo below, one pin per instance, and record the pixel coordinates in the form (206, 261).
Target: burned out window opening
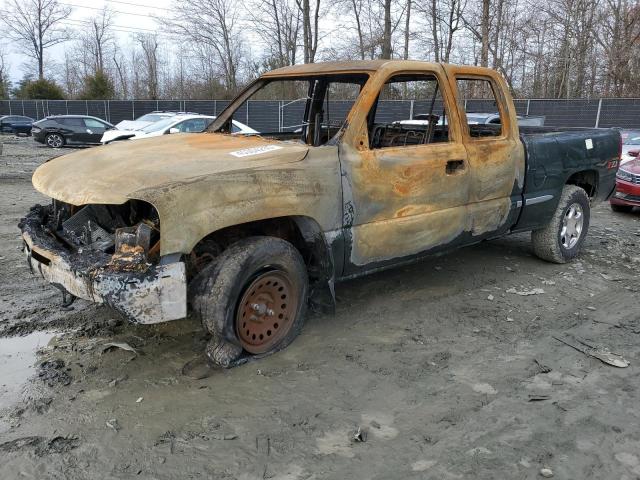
(425, 123)
(312, 110)
(476, 96)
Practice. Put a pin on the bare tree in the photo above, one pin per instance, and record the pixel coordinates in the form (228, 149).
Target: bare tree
(310, 28)
(356, 8)
(386, 33)
(36, 25)
(277, 22)
(484, 35)
(213, 24)
(361, 16)
(4, 74)
(407, 32)
(122, 80)
(442, 20)
(148, 44)
(72, 76)
(390, 25)
(619, 37)
(99, 37)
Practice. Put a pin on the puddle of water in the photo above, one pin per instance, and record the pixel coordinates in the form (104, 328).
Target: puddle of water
(17, 364)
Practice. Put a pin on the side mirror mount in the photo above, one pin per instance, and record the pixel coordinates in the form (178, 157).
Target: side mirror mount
(174, 130)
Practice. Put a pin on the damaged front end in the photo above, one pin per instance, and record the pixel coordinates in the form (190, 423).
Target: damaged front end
(107, 254)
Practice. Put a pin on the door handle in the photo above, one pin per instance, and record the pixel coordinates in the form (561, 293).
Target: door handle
(454, 165)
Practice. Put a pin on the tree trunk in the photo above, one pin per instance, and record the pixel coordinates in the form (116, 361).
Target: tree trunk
(406, 31)
(386, 37)
(306, 29)
(356, 13)
(484, 28)
(434, 30)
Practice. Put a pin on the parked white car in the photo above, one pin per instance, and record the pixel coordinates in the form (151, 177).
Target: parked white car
(175, 124)
(148, 119)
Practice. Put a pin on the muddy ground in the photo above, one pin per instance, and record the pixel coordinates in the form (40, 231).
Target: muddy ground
(447, 374)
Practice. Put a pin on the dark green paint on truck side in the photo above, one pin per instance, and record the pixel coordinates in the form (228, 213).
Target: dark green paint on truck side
(557, 157)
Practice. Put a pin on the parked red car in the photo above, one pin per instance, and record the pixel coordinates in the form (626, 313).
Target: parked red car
(627, 194)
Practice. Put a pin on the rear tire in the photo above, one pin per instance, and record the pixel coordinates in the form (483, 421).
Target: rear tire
(621, 208)
(562, 238)
(252, 299)
(54, 140)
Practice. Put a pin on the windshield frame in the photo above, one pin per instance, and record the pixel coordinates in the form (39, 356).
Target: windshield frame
(222, 124)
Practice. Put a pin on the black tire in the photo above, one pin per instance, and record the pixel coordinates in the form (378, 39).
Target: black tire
(54, 140)
(215, 294)
(549, 243)
(621, 208)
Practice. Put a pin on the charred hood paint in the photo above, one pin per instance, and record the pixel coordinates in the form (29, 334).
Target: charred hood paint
(114, 173)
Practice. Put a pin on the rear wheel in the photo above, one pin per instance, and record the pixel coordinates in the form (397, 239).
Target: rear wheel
(252, 299)
(54, 140)
(621, 208)
(561, 240)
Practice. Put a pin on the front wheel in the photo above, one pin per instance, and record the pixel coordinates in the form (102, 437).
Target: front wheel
(54, 140)
(252, 299)
(561, 240)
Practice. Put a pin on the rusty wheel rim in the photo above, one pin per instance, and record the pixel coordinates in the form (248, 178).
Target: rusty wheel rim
(266, 311)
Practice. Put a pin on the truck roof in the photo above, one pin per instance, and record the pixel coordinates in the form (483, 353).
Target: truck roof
(355, 66)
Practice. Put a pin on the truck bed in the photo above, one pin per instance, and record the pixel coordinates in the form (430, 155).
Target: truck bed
(554, 156)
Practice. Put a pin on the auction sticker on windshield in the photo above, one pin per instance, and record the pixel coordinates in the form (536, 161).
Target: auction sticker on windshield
(247, 152)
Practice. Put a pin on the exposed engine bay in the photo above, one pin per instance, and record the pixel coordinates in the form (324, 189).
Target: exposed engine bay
(128, 233)
(107, 254)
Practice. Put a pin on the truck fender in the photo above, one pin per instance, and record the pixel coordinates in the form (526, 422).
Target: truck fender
(321, 265)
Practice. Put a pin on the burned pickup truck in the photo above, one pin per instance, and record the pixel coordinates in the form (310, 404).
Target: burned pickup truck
(247, 231)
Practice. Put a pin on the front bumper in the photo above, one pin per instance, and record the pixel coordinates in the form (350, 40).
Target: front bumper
(626, 193)
(157, 294)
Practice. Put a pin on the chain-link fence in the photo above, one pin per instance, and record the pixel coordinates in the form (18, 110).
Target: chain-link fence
(282, 115)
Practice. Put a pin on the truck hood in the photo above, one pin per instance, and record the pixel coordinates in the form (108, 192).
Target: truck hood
(112, 174)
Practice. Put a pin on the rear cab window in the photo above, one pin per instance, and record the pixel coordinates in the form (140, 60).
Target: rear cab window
(482, 112)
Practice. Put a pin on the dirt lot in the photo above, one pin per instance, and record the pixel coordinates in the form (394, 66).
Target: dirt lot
(447, 372)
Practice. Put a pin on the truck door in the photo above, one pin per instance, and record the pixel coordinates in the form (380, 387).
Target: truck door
(406, 173)
(495, 153)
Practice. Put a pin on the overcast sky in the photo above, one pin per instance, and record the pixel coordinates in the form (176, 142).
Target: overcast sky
(130, 16)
